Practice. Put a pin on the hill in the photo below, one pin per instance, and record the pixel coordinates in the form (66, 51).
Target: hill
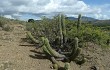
(102, 22)
(84, 18)
(92, 21)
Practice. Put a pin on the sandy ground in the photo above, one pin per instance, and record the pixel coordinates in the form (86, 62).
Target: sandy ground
(16, 57)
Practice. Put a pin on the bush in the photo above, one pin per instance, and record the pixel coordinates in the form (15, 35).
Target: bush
(6, 27)
(5, 24)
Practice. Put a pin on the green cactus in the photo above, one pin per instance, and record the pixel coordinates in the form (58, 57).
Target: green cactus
(76, 50)
(32, 38)
(54, 61)
(80, 62)
(67, 66)
(79, 23)
(73, 57)
(62, 30)
(47, 48)
(55, 66)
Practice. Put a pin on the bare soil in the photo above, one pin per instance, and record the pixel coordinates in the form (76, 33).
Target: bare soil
(16, 54)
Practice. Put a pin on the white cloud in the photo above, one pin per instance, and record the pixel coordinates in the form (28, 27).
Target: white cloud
(50, 7)
(8, 16)
(101, 16)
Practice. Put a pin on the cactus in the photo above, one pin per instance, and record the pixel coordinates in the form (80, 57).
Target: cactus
(55, 66)
(32, 38)
(58, 66)
(66, 56)
(62, 30)
(73, 57)
(80, 62)
(54, 61)
(76, 50)
(45, 50)
(49, 50)
(79, 23)
(67, 66)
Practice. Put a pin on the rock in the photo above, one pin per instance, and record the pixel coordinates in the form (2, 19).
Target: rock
(94, 68)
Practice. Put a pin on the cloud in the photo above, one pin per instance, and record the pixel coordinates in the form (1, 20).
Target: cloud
(8, 16)
(38, 8)
(103, 12)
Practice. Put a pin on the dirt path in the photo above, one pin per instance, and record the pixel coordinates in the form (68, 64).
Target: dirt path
(16, 57)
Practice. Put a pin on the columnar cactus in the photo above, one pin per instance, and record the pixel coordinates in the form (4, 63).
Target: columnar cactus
(79, 23)
(62, 30)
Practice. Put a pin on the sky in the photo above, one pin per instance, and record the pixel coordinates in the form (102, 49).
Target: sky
(26, 9)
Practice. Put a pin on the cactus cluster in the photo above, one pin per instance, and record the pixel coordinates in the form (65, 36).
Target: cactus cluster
(48, 49)
(54, 54)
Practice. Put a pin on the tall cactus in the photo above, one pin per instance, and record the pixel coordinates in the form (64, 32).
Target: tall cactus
(61, 32)
(62, 29)
(79, 23)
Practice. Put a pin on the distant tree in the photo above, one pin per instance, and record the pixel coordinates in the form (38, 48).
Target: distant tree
(31, 20)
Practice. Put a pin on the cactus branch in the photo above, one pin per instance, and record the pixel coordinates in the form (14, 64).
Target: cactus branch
(32, 38)
(47, 48)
